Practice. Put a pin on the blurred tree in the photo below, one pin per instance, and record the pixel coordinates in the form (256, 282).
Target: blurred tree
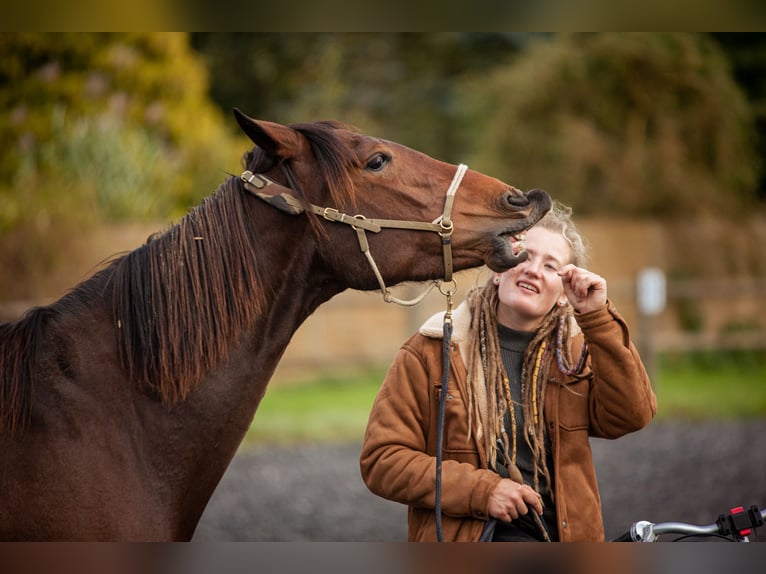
(619, 123)
(639, 124)
(747, 54)
(147, 82)
(100, 127)
(395, 85)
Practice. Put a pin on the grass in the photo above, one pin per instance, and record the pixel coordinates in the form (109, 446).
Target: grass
(327, 408)
(321, 409)
(712, 385)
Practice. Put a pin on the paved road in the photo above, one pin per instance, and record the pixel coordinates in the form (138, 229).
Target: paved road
(669, 471)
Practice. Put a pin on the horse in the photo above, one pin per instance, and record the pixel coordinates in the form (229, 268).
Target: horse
(123, 402)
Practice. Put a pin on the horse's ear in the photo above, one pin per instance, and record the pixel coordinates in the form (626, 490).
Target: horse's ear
(275, 139)
(279, 141)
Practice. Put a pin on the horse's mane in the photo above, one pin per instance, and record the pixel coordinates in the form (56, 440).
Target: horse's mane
(181, 300)
(205, 268)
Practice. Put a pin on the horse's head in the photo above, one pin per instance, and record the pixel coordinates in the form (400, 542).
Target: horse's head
(310, 167)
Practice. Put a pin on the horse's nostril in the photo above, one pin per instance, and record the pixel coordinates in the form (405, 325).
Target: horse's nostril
(517, 199)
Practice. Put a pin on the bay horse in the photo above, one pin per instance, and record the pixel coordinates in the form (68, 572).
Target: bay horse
(122, 403)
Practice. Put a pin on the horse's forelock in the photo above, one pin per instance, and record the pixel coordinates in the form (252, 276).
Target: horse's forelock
(335, 159)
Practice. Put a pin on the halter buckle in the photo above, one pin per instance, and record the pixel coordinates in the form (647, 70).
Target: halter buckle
(327, 211)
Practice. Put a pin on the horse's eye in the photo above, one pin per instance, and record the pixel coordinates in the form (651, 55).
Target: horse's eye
(377, 162)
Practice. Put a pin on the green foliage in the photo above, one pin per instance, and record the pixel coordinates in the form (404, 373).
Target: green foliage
(399, 86)
(98, 128)
(98, 164)
(641, 124)
(747, 54)
(150, 82)
(638, 124)
(87, 171)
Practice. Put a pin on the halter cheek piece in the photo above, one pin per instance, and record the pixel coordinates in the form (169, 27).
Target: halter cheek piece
(442, 225)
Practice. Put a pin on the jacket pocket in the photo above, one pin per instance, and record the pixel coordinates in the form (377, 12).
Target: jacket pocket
(573, 406)
(455, 422)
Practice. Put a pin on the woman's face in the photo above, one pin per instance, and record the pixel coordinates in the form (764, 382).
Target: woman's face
(529, 291)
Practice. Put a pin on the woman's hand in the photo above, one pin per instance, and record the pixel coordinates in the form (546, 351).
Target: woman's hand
(585, 290)
(510, 500)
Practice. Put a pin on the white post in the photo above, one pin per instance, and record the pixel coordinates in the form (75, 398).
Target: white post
(651, 298)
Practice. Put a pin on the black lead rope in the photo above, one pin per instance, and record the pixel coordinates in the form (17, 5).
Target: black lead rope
(446, 342)
(489, 528)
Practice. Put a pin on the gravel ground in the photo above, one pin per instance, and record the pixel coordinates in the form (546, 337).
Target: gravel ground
(670, 471)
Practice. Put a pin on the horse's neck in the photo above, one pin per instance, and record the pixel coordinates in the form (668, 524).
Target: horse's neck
(290, 299)
(219, 411)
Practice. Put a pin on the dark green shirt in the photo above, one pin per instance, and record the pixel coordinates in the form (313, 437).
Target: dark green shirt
(513, 344)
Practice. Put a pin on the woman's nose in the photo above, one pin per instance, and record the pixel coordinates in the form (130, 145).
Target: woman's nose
(530, 266)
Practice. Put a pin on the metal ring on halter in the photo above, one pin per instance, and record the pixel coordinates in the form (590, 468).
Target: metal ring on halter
(446, 229)
(357, 216)
(448, 292)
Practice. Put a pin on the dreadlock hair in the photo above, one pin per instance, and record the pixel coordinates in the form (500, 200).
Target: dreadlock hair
(489, 398)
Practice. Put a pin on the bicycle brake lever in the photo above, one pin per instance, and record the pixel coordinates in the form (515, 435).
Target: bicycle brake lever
(643, 531)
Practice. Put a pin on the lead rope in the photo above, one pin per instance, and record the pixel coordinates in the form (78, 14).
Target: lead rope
(446, 343)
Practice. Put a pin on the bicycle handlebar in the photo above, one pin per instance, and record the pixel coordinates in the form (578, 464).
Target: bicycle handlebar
(737, 525)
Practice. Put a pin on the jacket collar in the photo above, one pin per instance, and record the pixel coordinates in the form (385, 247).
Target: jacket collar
(433, 328)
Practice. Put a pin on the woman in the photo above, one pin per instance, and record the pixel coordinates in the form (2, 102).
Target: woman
(544, 338)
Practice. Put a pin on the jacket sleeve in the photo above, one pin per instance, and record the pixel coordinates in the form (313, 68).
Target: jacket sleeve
(398, 452)
(621, 399)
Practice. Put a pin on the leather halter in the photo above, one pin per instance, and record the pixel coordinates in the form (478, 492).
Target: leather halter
(442, 225)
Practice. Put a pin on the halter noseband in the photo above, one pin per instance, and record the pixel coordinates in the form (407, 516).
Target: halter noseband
(442, 225)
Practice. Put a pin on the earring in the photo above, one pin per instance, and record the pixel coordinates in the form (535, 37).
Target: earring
(496, 280)
(562, 303)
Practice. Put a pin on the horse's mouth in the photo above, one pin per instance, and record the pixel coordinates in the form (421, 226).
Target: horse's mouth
(508, 249)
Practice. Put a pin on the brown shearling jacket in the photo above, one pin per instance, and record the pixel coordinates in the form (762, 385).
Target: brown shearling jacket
(610, 398)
